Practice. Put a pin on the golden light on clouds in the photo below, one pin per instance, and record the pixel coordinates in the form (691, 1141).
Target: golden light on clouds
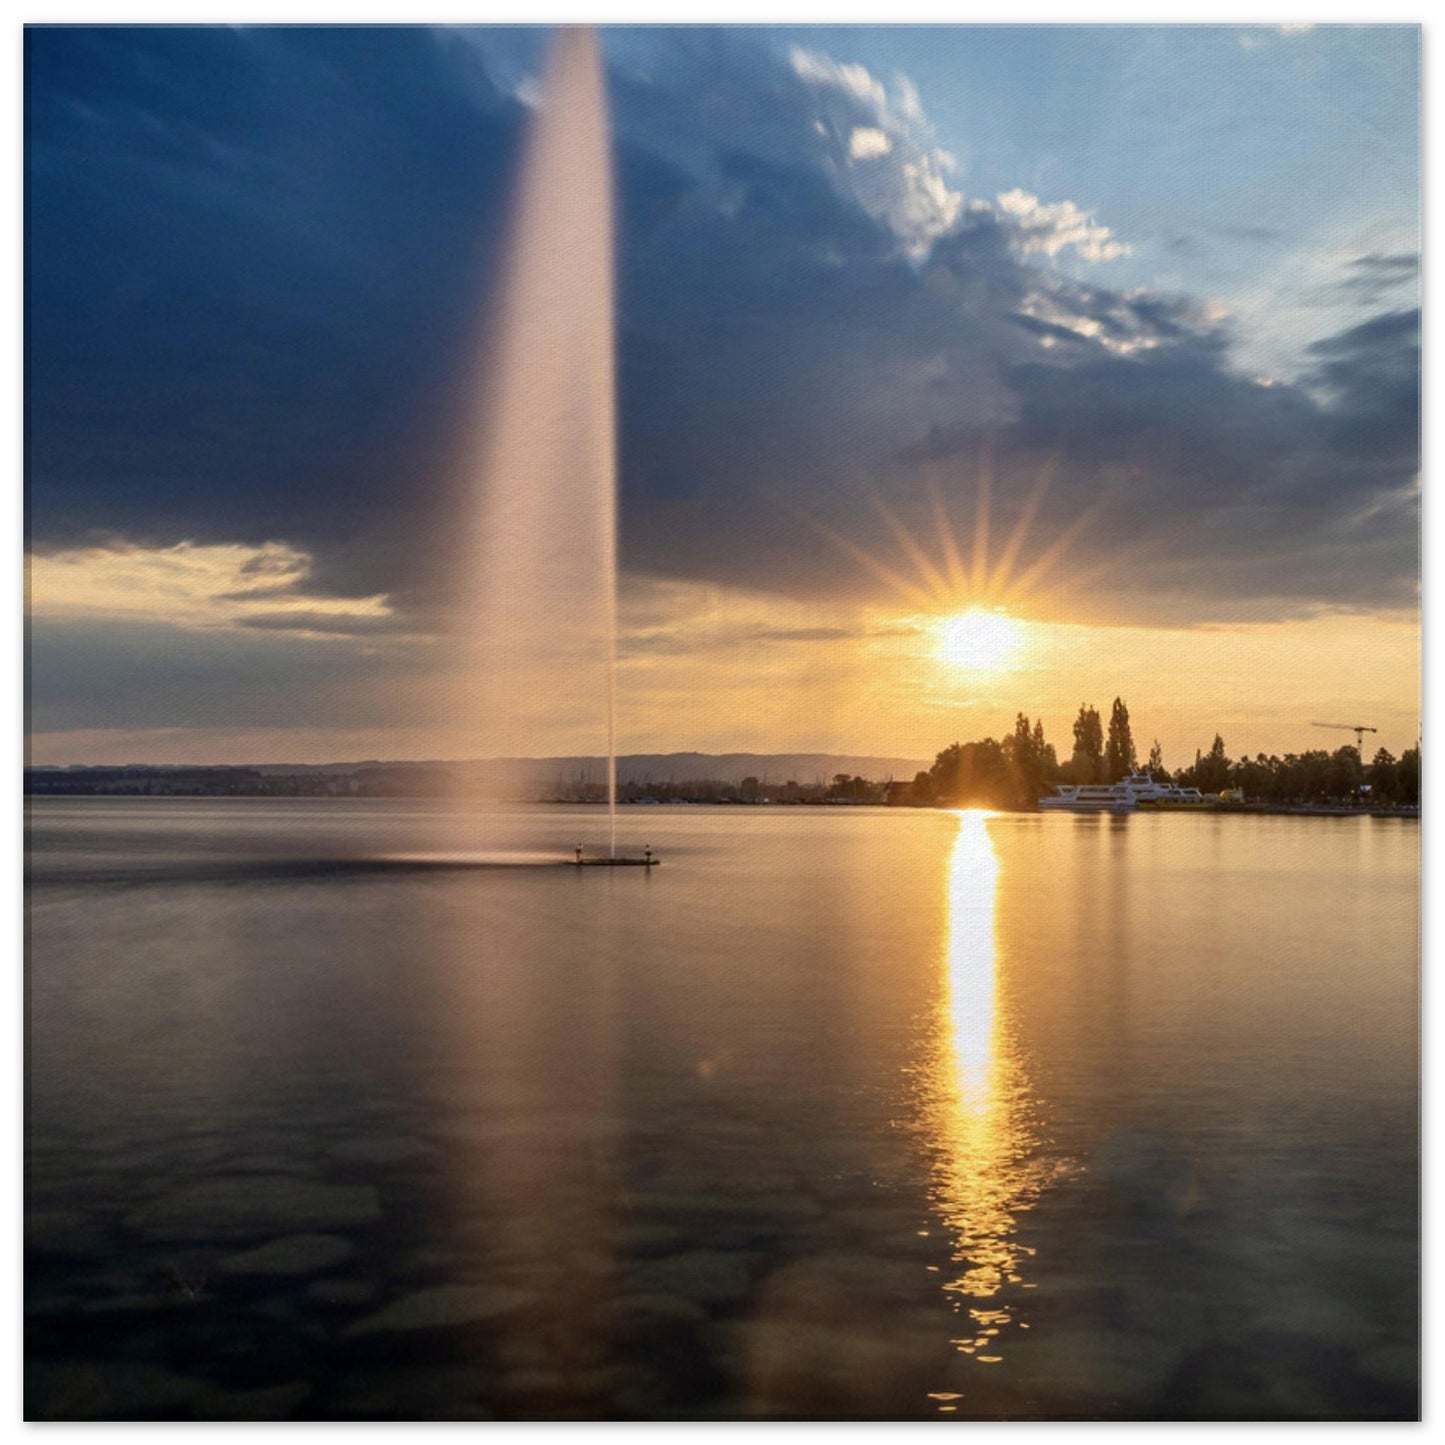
(722, 669)
(191, 585)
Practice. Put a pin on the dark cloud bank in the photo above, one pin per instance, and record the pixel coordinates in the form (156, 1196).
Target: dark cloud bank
(256, 262)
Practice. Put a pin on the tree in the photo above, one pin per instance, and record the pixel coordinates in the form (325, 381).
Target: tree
(1119, 755)
(1088, 745)
(1407, 772)
(1346, 775)
(1025, 753)
(1157, 770)
(1255, 779)
(1307, 776)
(1384, 777)
(974, 775)
(944, 772)
(1212, 771)
(1044, 752)
(988, 779)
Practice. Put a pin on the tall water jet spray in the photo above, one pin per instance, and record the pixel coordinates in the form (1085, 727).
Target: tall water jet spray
(541, 598)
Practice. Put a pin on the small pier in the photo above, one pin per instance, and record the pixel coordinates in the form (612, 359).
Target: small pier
(581, 860)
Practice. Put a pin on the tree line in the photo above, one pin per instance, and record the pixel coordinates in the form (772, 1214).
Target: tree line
(1016, 771)
(1316, 776)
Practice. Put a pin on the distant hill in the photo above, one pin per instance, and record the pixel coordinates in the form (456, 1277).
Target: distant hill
(653, 767)
(563, 777)
(734, 767)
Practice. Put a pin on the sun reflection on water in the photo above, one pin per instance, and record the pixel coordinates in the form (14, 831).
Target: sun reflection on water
(980, 1116)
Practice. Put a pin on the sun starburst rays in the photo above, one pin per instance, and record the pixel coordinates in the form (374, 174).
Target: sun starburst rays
(934, 581)
(943, 570)
(977, 590)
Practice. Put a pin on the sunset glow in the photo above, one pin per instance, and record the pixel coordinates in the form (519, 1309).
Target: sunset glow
(953, 445)
(978, 640)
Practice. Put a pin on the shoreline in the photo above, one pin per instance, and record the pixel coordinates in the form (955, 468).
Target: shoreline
(1293, 810)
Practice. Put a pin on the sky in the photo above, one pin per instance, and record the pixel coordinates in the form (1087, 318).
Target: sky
(1111, 331)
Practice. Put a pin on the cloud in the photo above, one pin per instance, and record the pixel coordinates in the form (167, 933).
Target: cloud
(868, 142)
(1122, 323)
(1370, 280)
(1257, 37)
(258, 263)
(1326, 281)
(222, 228)
(1051, 228)
(192, 585)
(325, 624)
(880, 149)
(1370, 376)
(1398, 266)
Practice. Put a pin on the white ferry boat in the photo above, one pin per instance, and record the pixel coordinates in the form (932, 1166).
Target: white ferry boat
(1138, 789)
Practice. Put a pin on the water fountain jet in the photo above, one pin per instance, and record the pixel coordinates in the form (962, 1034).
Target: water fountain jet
(539, 620)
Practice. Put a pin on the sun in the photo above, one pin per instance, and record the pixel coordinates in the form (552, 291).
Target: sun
(979, 640)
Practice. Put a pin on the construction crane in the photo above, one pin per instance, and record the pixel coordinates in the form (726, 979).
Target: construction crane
(1359, 730)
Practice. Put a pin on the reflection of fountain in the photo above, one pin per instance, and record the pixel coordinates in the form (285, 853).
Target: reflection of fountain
(980, 1124)
(541, 565)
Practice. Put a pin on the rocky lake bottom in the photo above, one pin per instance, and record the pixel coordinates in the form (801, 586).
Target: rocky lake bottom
(264, 1286)
(781, 1133)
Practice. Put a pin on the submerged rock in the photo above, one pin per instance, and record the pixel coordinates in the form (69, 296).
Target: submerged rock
(238, 1206)
(645, 1241)
(381, 1151)
(1093, 1363)
(446, 1392)
(65, 1231)
(443, 1306)
(1266, 1377)
(851, 1369)
(109, 1390)
(629, 1311)
(273, 1402)
(295, 1254)
(767, 1208)
(712, 1277)
(341, 1291)
(1396, 1366)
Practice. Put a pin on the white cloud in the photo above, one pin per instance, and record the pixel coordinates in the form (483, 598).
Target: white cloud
(1116, 330)
(880, 149)
(1258, 36)
(854, 80)
(881, 152)
(1048, 228)
(867, 142)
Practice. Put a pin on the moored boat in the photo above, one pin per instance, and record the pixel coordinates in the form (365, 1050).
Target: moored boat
(1135, 790)
(1088, 798)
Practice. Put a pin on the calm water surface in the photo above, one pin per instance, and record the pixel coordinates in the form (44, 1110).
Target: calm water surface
(839, 1113)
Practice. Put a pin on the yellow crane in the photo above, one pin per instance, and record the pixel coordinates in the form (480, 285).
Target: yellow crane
(1359, 730)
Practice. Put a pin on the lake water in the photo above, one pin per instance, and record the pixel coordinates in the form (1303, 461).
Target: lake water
(838, 1113)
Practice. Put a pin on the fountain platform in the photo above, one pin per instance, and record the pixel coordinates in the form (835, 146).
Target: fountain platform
(613, 862)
